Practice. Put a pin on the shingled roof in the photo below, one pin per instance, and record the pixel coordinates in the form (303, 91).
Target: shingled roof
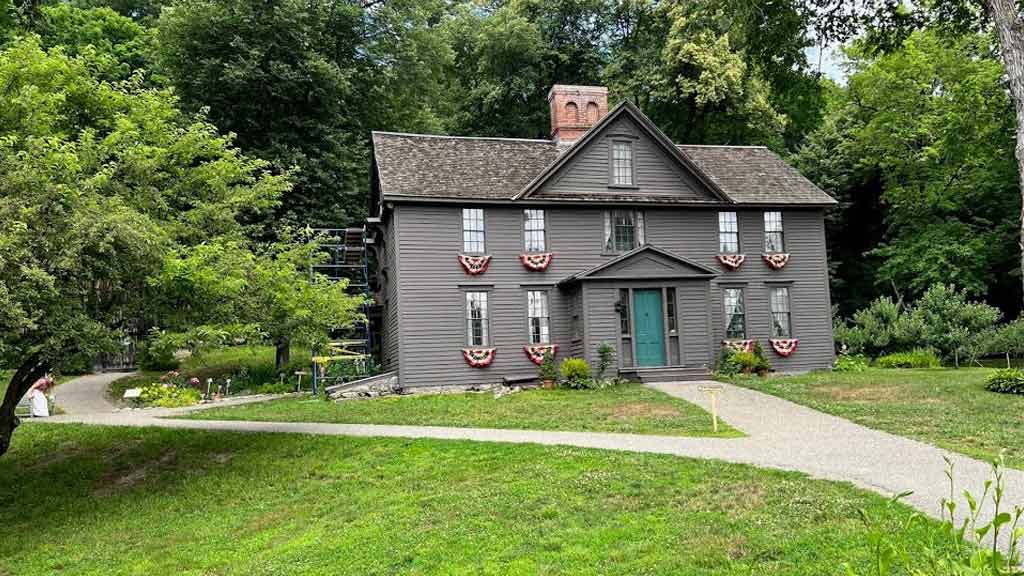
(454, 167)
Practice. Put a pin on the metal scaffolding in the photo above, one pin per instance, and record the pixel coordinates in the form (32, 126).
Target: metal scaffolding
(347, 259)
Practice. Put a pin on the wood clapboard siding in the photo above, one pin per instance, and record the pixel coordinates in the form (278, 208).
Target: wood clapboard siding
(432, 284)
(656, 173)
(389, 339)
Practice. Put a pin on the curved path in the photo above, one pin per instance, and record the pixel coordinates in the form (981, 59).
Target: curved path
(780, 434)
(87, 394)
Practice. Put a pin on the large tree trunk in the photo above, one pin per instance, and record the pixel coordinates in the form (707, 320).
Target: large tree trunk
(31, 369)
(283, 354)
(1010, 29)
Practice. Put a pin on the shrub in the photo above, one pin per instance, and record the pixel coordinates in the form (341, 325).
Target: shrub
(1006, 381)
(275, 388)
(732, 362)
(605, 355)
(576, 373)
(156, 355)
(949, 323)
(881, 327)
(168, 396)
(547, 370)
(917, 358)
(850, 363)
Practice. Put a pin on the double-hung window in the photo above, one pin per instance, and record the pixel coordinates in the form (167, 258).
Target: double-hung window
(622, 163)
(728, 233)
(477, 330)
(538, 319)
(623, 230)
(473, 231)
(534, 231)
(735, 314)
(779, 300)
(773, 239)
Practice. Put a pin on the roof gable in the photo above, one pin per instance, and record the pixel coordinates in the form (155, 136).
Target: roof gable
(643, 263)
(663, 171)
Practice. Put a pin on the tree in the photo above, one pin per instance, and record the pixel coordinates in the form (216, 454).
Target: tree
(949, 322)
(98, 183)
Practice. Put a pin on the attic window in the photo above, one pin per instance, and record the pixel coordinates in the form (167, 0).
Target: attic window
(622, 163)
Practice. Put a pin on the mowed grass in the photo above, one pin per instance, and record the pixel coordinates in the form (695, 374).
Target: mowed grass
(946, 407)
(627, 408)
(103, 500)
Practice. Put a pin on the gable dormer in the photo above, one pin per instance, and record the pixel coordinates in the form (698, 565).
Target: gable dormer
(623, 157)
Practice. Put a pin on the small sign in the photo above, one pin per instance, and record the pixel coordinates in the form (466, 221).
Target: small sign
(132, 393)
(712, 391)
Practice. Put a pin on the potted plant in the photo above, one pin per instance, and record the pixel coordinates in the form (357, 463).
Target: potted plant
(547, 371)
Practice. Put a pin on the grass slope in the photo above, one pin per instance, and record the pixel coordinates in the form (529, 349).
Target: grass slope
(946, 407)
(112, 501)
(627, 408)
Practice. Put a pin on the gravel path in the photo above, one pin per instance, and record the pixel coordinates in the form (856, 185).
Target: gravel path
(781, 435)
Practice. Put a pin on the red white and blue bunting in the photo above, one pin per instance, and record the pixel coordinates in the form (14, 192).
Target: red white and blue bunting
(474, 265)
(784, 346)
(536, 262)
(776, 261)
(536, 352)
(731, 261)
(478, 357)
(739, 345)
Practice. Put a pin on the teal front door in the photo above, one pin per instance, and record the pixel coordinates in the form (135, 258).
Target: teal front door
(650, 328)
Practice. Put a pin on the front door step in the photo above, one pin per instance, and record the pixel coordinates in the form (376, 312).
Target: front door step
(667, 374)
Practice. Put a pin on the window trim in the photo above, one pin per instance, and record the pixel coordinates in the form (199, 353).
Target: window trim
(781, 232)
(789, 310)
(488, 324)
(612, 141)
(544, 231)
(547, 304)
(608, 226)
(726, 316)
(736, 221)
(462, 230)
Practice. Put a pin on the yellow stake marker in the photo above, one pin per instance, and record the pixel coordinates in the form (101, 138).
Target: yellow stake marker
(713, 393)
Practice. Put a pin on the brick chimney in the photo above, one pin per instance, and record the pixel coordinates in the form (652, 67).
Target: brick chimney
(574, 109)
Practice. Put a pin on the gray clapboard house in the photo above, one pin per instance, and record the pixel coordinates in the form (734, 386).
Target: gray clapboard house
(491, 249)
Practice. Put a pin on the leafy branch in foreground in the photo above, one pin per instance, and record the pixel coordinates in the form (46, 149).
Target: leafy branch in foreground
(970, 547)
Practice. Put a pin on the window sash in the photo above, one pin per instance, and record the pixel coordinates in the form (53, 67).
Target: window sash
(534, 231)
(670, 308)
(538, 319)
(473, 241)
(624, 311)
(782, 326)
(622, 163)
(774, 241)
(735, 313)
(623, 230)
(477, 329)
(728, 233)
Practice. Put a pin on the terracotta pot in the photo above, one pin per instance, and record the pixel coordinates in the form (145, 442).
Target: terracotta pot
(549, 384)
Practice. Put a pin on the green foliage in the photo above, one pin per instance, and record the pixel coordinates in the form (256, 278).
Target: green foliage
(949, 323)
(1007, 339)
(576, 373)
(732, 362)
(961, 546)
(605, 357)
(919, 150)
(547, 369)
(156, 355)
(850, 363)
(881, 327)
(918, 358)
(166, 395)
(1006, 381)
(275, 388)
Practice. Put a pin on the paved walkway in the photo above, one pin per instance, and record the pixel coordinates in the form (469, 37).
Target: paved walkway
(781, 435)
(87, 394)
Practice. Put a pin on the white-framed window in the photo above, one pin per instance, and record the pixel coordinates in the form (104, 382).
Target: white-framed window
(728, 233)
(735, 314)
(534, 230)
(774, 242)
(623, 230)
(537, 317)
(782, 326)
(473, 231)
(622, 163)
(477, 329)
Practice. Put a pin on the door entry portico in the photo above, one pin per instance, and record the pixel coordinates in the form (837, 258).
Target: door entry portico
(650, 328)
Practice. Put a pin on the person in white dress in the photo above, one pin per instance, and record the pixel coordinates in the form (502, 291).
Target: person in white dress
(38, 402)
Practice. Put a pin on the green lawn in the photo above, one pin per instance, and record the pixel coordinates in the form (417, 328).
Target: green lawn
(98, 500)
(946, 407)
(258, 360)
(628, 408)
